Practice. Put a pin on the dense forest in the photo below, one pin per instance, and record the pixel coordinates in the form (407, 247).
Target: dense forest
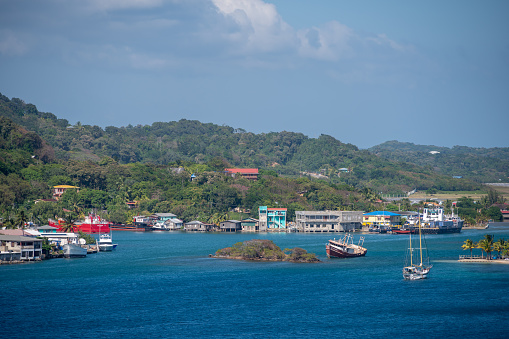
(478, 164)
(152, 165)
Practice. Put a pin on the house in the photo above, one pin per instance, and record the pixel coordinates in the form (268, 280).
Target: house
(248, 173)
(16, 247)
(59, 190)
(174, 224)
(271, 219)
(230, 226)
(328, 221)
(132, 204)
(47, 229)
(195, 226)
(163, 217)
(381, 219)
(249, 225)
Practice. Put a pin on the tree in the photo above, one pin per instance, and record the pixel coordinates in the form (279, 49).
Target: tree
(469, 245)
(486, 245)
(69, 220)
(499, 245)
(21, 219)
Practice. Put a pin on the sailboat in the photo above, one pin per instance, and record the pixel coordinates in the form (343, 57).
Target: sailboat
(412, 270)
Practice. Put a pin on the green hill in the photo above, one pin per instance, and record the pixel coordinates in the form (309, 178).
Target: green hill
(477, 164)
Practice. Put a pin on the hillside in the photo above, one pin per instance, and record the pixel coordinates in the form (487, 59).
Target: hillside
(478, 164)
(286, 153)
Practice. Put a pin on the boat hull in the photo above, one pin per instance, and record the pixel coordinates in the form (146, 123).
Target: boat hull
(337, 252)
(74, 251)
(106, 247)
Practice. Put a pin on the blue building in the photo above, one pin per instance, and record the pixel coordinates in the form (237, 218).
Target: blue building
(272, 218)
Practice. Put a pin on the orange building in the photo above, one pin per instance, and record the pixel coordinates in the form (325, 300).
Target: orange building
(248, 173)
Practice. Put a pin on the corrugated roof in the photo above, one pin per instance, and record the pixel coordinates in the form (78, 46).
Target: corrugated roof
(242, 170)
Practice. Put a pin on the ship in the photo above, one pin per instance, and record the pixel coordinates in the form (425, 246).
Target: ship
(417, 268)
(92, 224)
(345, 248)
(434, 221)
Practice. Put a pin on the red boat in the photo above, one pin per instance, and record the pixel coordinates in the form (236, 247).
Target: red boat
(403, 231)
(91, 224)
(345, 248)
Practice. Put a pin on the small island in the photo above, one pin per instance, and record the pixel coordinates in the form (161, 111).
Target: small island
(265, 250)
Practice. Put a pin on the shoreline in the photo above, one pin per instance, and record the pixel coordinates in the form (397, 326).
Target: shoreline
(486, 261)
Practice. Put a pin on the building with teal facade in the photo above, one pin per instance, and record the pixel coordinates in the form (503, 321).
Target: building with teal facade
(272, 218)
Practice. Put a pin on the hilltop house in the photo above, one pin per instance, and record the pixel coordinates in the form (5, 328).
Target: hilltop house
(248, 173)
(59, 190)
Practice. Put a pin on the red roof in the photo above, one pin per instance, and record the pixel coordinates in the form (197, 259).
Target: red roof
(276, 209)
(242, 170)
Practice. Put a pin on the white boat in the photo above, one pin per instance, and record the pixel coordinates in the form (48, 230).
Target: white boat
(416, 268)
(159, 226)
(105, 243)
(74, 251)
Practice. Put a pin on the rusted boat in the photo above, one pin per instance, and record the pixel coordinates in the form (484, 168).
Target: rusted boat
(345, 248)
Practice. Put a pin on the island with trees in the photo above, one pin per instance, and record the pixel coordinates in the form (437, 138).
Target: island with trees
(265, 250)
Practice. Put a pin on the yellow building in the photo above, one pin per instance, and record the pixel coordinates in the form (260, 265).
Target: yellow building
(60, 189)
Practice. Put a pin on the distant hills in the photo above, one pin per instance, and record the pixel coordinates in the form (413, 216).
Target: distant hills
(478, 164)
(392, 167)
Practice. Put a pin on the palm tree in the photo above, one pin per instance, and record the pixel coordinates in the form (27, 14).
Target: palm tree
(499, 245)
(68, 225)
(21, 219)
(469, 245)
(486, 245)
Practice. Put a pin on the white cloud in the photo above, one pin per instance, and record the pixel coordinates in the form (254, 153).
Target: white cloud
(329, 42)
(257, 26)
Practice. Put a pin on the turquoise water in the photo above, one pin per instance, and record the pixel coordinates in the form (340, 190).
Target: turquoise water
(164, 285)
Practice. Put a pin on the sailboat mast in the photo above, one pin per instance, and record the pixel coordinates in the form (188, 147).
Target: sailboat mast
(420, 238)
(411, 251)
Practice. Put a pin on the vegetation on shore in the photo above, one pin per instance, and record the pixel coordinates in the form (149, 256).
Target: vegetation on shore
(152, 166)
(488, 245)
(265, 250)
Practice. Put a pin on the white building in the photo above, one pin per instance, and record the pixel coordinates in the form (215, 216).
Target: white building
(328, 221)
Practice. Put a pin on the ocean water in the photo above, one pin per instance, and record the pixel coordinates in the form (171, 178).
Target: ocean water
(164, 285)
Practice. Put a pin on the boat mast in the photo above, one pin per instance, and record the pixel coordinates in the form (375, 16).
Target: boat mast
(411, 251)
(420, 238)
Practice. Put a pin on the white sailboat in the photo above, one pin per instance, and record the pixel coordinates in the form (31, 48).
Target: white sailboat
(412, 270)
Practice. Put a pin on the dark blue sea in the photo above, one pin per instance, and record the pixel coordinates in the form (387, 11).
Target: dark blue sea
(164, 285)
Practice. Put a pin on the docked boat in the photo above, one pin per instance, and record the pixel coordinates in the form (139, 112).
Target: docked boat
(159, 226)
(74, 251)
(105, 243)
(91, 224)
(417, 265)
(345, 248)
(434, 221)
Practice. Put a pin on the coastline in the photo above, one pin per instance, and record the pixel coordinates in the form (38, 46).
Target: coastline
(486, 261)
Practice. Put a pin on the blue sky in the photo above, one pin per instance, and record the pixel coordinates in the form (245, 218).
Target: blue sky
(364, 72)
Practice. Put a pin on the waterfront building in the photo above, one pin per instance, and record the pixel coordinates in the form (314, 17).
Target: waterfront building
(271, 219)
(250, 225)
(248, 173)
(163, 217)
(174, 224)
(15, 247)
(328, 221)
(195, 226)
(59, 190)
(230, 226)
(381, 219)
